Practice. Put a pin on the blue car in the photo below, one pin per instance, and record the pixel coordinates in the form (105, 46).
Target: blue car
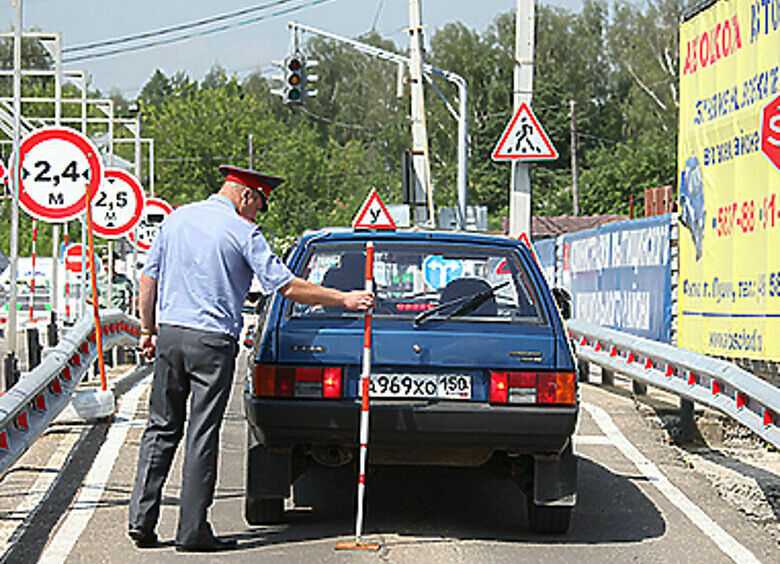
(471, 365)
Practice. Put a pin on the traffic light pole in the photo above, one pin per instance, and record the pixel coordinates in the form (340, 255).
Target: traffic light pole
(421, 181)
(456, 79)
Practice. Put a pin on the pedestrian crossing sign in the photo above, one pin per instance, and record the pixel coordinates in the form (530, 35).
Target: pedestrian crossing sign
(373, 214)
(524, 139)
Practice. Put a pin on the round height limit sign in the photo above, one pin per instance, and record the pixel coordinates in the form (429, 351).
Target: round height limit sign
(118, 204)
(57, 165)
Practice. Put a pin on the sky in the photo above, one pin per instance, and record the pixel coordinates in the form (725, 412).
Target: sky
(240, 50)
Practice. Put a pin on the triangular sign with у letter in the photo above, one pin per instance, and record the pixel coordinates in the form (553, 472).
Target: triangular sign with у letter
(373, 214)
(523, 238)
(524, 139)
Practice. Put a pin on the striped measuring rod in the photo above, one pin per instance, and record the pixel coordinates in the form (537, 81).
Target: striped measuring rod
(67, 278)
(32, 277)
(365, 384)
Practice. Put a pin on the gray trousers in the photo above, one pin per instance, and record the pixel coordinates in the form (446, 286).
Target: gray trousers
(198, 364)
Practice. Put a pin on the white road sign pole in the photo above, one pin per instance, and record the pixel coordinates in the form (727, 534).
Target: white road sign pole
(9, 365)
(520, 192)
(55, 234)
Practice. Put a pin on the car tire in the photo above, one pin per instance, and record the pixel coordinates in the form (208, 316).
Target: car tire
(549, 520)
(264, 510)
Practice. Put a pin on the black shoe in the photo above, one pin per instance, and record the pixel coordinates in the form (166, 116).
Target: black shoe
(143, 539)
(215, 544)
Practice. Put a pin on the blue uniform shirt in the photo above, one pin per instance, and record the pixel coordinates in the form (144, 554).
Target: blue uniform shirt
(203, 259)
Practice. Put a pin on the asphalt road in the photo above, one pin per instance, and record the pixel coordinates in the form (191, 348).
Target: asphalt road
(639, 501)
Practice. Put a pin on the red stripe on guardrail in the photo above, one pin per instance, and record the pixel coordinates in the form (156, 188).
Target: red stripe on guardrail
(22, 422)
(55, 387)
(40, 403)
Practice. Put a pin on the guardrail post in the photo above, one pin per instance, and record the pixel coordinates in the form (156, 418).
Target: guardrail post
(607, 377)
(33, 348)
(10, 370)
(583, 370)
(639, 388)
(687, 422)
(52, 336)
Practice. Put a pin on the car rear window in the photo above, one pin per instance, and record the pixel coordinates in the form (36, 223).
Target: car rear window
(410, 279)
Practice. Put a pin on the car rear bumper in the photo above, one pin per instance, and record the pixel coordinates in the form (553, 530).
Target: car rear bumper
(284, 423)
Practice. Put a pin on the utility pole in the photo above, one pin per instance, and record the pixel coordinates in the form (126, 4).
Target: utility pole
(520, 190)
(574, 193)
(251, 151)
(420, 162)
(9, 363)
(138, 169)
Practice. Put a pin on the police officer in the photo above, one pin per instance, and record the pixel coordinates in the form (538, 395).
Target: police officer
(197, 275)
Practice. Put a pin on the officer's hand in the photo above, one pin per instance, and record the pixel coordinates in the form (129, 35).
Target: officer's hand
(359, 300)
(148, 344)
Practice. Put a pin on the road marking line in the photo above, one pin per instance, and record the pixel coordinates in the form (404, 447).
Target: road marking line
(592, 440)
(721, 538)
(92, 490)
(47, 475)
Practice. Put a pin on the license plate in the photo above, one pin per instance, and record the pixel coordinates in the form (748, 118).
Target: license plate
(442, 386)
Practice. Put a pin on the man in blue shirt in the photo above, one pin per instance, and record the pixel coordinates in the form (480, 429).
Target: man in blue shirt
(197, 275)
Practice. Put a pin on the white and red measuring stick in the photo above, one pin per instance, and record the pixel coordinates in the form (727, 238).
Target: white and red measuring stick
(32, 278)
(67, 280)
(364, 386)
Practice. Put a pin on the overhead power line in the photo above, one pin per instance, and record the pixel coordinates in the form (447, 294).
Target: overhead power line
(173, 29)
(201, 33)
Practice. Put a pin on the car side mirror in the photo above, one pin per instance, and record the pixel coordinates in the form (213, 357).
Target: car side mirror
(563, 300)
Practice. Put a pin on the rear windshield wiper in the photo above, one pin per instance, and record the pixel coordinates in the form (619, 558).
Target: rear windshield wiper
(467, 304)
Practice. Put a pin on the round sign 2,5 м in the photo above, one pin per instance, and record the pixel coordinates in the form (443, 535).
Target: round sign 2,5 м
(118, 204)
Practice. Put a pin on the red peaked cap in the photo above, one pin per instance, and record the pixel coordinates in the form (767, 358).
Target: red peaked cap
(251, 178)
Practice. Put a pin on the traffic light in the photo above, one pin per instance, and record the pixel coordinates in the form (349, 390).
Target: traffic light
(295, 79)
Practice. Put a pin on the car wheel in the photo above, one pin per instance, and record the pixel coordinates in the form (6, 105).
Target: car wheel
(264, 510)
(546, 519)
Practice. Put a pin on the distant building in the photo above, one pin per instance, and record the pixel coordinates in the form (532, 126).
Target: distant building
(546, 227)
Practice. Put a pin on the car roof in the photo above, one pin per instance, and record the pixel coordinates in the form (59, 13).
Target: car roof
(345, 234)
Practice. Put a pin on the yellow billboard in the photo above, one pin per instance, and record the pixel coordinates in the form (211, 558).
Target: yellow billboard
(729, 173)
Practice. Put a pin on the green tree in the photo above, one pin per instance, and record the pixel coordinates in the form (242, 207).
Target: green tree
(325, 182)
(156, 89)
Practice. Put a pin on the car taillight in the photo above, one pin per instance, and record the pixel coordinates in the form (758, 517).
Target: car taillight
(302, 382)
(499, 387)
(566, 388)
(533, 388)
(331, 383)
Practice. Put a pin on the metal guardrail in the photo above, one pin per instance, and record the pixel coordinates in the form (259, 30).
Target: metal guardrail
(39, 395)
(692, 376)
